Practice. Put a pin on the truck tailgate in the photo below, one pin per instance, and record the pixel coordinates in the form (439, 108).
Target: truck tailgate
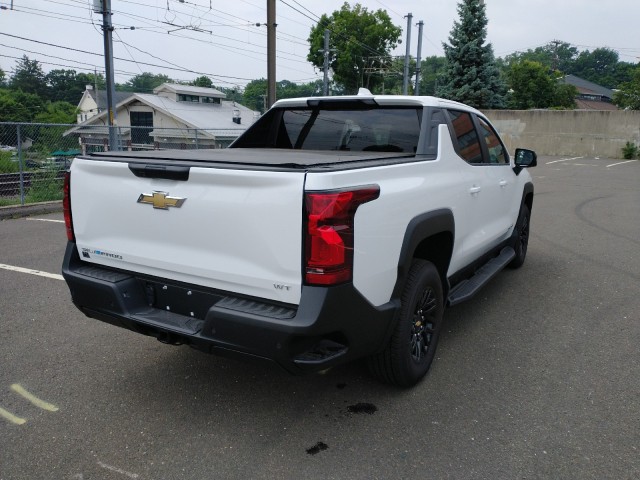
(236, 230)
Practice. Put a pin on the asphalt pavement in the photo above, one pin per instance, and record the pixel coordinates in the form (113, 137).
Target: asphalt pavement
(537, 377)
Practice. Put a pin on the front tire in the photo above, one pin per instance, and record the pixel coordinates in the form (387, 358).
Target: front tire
(411, 349)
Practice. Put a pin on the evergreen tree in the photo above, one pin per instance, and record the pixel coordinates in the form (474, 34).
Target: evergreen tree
(471, 75)
(29, 77)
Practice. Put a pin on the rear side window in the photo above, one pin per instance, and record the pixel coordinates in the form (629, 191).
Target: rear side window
(468, 142)
(497, 153)
(377, 129)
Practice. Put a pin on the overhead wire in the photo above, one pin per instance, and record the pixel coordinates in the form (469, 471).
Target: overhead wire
(124, 59)
(285, 55)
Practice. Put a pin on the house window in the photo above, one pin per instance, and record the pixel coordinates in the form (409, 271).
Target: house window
(210, 100)
(188, 98)
(141, 126)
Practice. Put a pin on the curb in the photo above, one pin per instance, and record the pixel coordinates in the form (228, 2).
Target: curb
(19, 211)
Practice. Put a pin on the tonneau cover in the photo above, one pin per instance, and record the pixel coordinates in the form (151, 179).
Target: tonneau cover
(250, 157)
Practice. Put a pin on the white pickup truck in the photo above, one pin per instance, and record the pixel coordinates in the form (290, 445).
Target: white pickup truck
(334, 228)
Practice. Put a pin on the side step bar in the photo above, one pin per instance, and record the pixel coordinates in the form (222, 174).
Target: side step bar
(468, 288)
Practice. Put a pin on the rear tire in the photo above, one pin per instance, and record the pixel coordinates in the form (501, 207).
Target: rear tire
(411, 349)
(521, 237)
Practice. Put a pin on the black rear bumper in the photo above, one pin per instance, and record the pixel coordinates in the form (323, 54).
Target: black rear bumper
(330, 326)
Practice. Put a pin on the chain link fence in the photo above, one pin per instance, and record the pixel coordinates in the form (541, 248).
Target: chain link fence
(34, 156)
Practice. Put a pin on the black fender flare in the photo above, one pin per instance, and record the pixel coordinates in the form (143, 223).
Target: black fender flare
(419, 229)
(526, 191)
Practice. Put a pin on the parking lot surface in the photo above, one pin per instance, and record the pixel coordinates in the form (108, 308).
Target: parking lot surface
(537, 377)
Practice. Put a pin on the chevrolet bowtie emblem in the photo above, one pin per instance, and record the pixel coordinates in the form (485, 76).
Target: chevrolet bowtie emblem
(161, 200)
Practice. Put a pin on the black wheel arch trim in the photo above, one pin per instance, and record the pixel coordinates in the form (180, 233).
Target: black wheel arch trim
(527, 192)
(419, 229)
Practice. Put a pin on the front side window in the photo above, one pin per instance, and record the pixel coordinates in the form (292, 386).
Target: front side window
(497, 153)
(468, 143)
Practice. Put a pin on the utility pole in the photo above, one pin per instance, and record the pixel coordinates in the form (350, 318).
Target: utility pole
(405, 85)
(104, 7)
(271, 52)
(555, 53)
(419, 58)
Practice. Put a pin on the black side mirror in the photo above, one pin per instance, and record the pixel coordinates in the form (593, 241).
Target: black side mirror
(526, 158)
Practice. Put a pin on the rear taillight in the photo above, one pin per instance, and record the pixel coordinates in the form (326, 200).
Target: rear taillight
(329, 233)
(66, 206)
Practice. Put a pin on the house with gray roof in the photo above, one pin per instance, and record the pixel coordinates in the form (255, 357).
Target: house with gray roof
(591, 96)
(95, 101)
(174, 116)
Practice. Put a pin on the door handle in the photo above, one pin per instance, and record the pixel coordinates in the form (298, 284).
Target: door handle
(475, 189)
(503, 183)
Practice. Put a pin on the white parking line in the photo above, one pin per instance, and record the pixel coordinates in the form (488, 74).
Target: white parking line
(117, 470)
(45, 220)
(564, 160)
(621, 163)
(31, 271)
(10, 417)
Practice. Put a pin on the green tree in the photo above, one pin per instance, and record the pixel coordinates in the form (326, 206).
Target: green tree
(555, 56)
(386, 75)
(202, 81)
(252, 97)
(232, 94)
(602, 66)
(256, 90)
(564, 96)
(65, 86)
(533, 85)
(471, 75)
(431, 69)
(628, 95)
(530, 86)
(3, 78)
(29, 77)
(18, 106)
(57, 112)
(97, 82)
(144, 83)
(356, 35)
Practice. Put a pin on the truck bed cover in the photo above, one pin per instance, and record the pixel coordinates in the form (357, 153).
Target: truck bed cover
(246, 158)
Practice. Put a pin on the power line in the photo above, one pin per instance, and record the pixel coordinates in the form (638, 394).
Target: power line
(123, 59)
(150, 26)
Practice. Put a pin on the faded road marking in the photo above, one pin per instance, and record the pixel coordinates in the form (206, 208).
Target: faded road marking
(31, 271)
(117, 470)
(564, 160)
(33, 399)
(11, 417)
(44, 220)
(621, 163)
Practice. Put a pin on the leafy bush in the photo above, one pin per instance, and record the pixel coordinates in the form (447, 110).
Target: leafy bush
(45, 187)
(630, 150)
(6, 164)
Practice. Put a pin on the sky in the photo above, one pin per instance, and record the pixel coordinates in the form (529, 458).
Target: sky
(186, 38)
